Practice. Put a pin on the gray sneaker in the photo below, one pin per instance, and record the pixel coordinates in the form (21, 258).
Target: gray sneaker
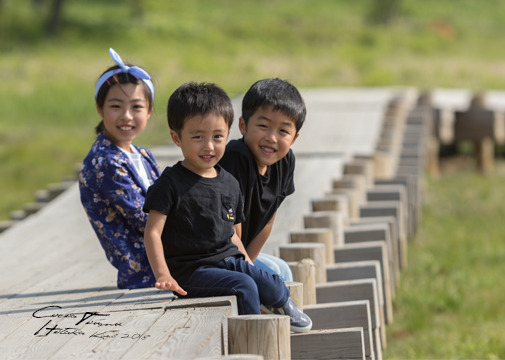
(299, 321)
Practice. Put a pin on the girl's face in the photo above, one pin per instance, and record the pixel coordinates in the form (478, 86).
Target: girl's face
(125, 113)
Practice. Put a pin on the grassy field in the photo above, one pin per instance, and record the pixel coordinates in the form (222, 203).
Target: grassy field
(46, 96)
(450, 301)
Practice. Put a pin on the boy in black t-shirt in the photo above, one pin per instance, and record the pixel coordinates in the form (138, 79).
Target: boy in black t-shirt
(273, 111)
(195, 207)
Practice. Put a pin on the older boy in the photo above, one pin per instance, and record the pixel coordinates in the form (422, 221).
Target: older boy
(273, 112)
(194, 208)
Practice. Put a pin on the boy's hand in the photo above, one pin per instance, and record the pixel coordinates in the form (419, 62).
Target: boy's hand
(168, 282)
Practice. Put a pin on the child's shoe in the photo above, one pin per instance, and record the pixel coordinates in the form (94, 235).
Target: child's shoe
(300, 322)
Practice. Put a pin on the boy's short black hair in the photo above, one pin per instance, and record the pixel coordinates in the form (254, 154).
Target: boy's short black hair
(193, 99)
(278, 93)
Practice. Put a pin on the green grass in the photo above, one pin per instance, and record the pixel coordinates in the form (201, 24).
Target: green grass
(450, 301)
(46, 96)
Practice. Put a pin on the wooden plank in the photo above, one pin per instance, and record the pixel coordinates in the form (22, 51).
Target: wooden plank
(414, 197)
(344, 314)
(389, 208)
(188, 333)
(362, 289)
(58, 330)
(328, 344)
(391, 192)
(373, 250)
(356, 270)
(389, 220)
(376, 232)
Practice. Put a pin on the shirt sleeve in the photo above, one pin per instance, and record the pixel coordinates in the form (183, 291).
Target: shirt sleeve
(158, 197)
(113, 184)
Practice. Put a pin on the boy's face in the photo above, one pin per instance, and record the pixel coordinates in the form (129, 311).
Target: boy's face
(125, 113)
(269, 135)
(202, 142)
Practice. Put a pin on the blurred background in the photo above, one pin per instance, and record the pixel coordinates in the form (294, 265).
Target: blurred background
(52, 52)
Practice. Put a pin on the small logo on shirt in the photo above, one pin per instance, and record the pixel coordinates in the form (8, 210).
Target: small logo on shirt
(230, 215)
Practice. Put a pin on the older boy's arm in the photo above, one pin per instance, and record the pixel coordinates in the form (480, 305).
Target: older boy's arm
(236, 240)
(254, 248)
(155, 254)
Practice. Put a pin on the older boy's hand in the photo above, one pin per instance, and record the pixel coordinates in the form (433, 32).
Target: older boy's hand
(169, 283)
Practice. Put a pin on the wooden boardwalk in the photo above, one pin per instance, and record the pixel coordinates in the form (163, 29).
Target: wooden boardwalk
(58, 298)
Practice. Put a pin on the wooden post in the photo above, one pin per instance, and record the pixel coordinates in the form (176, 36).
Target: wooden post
(266, 335)
(296, 293)
(318, 235)
(485, 155)
(234, 357)
(300, 251)
(333, 202)
(383, 165)
(333, 220)
(304, 271)
(353, 196)
(355, 182)
(432, 158)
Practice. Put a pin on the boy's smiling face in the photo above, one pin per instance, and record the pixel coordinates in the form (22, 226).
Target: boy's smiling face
(202, 141)
(269, 135)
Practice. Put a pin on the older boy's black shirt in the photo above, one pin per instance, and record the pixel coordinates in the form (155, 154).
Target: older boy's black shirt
(200, 213)
(263, 194)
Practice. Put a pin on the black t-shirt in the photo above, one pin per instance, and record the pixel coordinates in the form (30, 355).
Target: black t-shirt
(263, 194)
(200, 213)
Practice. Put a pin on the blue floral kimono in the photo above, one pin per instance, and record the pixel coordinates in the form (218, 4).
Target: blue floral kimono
(113, 195)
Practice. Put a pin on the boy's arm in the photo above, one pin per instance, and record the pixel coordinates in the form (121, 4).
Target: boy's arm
(155, 254)
(236, 240)
(254, 248)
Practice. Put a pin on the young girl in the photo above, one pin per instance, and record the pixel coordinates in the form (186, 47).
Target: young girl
(116, 174)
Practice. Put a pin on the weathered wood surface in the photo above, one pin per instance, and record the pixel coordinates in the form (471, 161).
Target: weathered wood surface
(352, 290)
(266, 335)
(329, 344)
(304, 271)
(362, 270)
(344, 314)
(300, 251)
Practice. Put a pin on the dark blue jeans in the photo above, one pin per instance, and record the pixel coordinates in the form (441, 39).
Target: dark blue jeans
(235, 276)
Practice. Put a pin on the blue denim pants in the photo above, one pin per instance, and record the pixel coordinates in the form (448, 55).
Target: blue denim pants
(235, 276)
(274, 265)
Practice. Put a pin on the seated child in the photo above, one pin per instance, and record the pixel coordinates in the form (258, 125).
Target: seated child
(273, 111)
(194, 208)
(116, 174)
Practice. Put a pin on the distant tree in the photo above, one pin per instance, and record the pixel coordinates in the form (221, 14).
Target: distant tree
(137, 8)
(54, 19)
(383, 12)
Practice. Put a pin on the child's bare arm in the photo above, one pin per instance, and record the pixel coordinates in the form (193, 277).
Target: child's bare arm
(254, 248)
(155, 254)
(236, 240)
